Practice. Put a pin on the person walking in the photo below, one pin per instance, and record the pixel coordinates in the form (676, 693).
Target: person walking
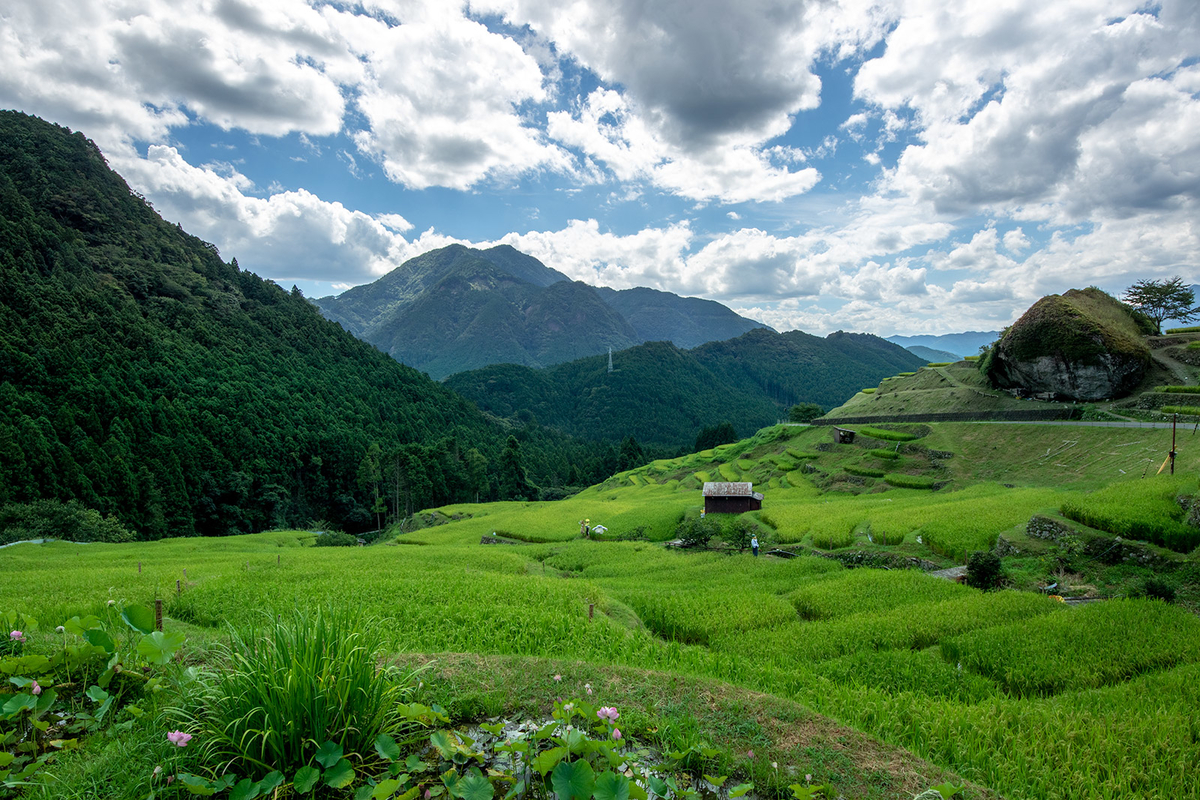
(754, 544)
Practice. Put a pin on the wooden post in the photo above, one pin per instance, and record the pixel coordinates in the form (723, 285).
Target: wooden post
(158, 613)
(591, 610)
(185, 573)
(278, 556)
(178, 589)
(139, 568)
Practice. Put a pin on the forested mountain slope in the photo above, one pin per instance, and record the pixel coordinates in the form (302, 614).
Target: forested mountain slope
(142, 376)
(459, 308)
(664, 396)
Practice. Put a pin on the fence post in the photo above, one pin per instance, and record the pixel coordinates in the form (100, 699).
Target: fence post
(158, 613)
(591, 610)
(178, 588)
(139, 568)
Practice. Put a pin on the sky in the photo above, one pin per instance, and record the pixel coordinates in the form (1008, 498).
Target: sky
(887, 166)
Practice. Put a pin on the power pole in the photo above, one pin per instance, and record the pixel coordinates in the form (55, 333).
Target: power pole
(1174, 419)
(610, 359)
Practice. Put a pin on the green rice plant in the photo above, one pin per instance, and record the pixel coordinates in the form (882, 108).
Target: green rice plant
(1179, 389)
(889, 454)
(280, 693)
(1190, 411)
(912, 626)
(910, 481)
(971, 358)
(746, 464)
(905, 374)
(729, 472)
(869, 390)
(939, 364)
(1193, 345)
(920, 671)
(861, 591)
(801, 454)
(1141, 509)
(1097, 645)
(1190, 329)
(865, 472)
(702, 476)
(891, 436)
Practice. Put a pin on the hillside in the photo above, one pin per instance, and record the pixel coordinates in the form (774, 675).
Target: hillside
(459, 308)
(144, 377)
(663, 395)
(1083, 344)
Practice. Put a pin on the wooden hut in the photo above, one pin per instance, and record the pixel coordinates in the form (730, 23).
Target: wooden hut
(731, 498)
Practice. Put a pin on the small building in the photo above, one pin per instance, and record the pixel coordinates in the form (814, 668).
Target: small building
(843, 435)
(731, 498)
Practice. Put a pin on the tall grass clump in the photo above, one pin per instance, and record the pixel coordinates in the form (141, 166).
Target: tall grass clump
(891, 436)
(1190, 411)
(283, 691)
(1144, 509)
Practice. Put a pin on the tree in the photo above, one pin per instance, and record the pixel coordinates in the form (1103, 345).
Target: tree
(805, 412)
(1161, 300)
(513, 483)
(631, 454)
(715, 435)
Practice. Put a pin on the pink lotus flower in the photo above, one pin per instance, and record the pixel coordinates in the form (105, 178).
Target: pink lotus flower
(588, 686)
(179, 738)
(608, 713)
(17, 636)
(36, 689)
(558, 678)
(617, 734)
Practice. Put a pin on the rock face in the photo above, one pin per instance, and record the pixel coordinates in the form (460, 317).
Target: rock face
(1083, 344)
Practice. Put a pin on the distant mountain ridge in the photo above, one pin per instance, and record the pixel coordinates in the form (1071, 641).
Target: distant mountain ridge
(663, 395)
(960, 344)
(459, 308)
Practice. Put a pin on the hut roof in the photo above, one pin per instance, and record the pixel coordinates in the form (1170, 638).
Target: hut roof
(720, 489)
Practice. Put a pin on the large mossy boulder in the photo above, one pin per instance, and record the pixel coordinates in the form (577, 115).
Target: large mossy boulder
(1083, 344)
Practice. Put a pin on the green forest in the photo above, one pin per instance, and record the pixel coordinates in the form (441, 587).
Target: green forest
(147, 381)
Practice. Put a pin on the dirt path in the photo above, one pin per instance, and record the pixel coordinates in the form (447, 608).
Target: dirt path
(1182, 373)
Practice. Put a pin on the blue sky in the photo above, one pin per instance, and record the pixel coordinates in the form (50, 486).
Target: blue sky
(891, 166)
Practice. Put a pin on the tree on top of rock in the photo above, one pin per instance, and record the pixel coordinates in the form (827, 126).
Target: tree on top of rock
(1161, 300)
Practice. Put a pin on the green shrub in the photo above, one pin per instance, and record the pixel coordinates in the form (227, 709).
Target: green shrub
(282, 692)
(902, 481)
(738, 533)
(984, 570)
(891, 436)
(1153, 588)
(805, 412)
(51, 519)
(335, 539)
(697, 531)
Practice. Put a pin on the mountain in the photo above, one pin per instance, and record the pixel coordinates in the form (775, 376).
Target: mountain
(931, 355)
(459, 308)
(144, 377)
(663, 395)
(684, 321)
(959, 344)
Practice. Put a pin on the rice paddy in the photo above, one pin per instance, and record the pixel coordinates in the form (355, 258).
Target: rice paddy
(1011, 690)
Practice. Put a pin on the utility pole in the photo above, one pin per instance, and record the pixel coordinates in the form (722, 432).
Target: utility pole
(610, 359)
(1174, 419)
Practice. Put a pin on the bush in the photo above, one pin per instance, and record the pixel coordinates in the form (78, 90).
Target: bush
(335, 539)
(805, 412)
(282, 692)
(51, 519)
(984, 570)
(1154, 588)
(739, 533)
(697, 531)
